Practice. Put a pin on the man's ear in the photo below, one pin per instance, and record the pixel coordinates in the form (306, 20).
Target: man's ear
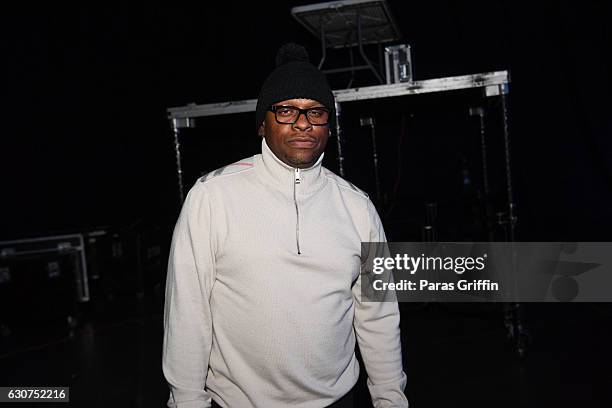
(261, 132)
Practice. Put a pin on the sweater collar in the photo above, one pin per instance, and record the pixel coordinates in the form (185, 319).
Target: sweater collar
(275, 172)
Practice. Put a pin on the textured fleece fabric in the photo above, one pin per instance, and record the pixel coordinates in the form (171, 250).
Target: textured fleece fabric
(263, 305)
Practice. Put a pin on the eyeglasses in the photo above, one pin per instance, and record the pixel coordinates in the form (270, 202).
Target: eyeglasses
(288, 115)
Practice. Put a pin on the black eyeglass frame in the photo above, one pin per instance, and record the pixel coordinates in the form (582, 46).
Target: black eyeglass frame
(301, 112)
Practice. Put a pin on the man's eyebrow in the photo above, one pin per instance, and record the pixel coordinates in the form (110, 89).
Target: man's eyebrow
(295, 106)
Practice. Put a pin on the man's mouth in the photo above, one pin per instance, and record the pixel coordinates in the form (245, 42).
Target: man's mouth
(303, 142)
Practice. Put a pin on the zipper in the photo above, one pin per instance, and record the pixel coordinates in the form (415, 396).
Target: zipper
(298, 180)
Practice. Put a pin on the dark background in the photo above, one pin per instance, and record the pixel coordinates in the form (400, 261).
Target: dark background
(86, 141)
(86, 144)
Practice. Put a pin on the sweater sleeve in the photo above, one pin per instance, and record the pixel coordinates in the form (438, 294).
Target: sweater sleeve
(378, 335)
(187, 317)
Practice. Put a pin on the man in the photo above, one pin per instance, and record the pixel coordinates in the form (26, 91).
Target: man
(263, 304)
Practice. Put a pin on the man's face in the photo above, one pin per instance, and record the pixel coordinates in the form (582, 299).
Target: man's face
(300, 144)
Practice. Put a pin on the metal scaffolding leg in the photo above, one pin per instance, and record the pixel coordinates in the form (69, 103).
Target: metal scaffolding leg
(513, 312)
(511, 205)
(177, 151)
(339, 140)
(352, 68)
(362, 52)
(369, 121)
(323, 45)
(480, 112)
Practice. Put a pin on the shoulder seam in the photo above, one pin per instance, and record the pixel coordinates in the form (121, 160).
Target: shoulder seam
(351, 186)
(205, 178)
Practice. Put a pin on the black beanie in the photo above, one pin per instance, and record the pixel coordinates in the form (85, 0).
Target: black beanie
(294, 77)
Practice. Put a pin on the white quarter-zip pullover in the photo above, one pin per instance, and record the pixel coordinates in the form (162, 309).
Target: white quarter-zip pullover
(263, 304)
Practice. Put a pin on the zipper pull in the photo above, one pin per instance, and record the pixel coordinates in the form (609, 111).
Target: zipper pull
(298, 180)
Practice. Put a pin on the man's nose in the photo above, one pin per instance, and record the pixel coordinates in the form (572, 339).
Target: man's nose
(302, 122)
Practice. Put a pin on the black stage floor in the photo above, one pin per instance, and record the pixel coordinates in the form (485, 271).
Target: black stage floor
(456, 355)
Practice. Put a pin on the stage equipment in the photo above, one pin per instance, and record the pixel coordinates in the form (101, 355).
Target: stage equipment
(125, 261)
(398, 64)
(429, 229)
(369, 121)
(493, 84)
(43, 280)
(349, 24)
(71, 246)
